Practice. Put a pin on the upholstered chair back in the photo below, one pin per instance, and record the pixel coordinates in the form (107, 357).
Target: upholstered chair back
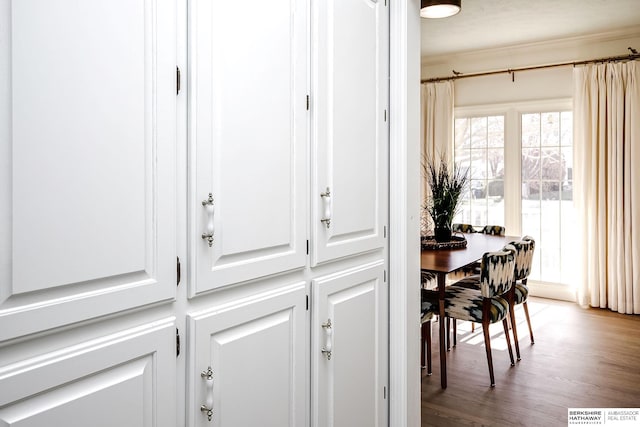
(462, 228)
(496, 272)
(496, 230)
(524, 257)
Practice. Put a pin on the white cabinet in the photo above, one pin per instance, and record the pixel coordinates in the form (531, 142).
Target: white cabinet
(87, 216)
(248, 139)
(350, 132)
(256, 349)
(350, 348)
(125, 379)
(266, 175)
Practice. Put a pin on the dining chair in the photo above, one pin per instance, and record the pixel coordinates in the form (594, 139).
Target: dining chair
(524, 259)
(487, 304)
(519, 292)
(495, 230)
(462, 228)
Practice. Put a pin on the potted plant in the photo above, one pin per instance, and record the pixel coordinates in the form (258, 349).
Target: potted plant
(446, 187)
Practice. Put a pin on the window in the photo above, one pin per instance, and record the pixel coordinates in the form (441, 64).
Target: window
(520, 161)
(479, 146)
(547, 191)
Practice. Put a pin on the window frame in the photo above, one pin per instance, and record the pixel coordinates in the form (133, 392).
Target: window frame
(512, 113)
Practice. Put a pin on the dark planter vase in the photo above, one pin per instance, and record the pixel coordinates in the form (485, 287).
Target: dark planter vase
(442, 234)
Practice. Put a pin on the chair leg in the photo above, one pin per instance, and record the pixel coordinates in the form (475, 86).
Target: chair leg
(423, 340)
(426, 340)
(448, 339)
(455, 332)
(512, 315)
(429, 368)
(505, 324)
(526, 313)
(487, 346)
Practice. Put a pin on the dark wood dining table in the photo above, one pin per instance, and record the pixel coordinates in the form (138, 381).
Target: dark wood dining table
(444, 261)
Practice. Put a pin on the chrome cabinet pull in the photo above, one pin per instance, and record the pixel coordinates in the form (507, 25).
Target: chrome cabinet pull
(328, 334)
(327, 207)
(208, 206)
(208, 406)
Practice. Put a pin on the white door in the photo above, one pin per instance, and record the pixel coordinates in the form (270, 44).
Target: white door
(350, 132)
(350, 348)
(125, 379)
(256, 349)
(88, 201)
(87, 211)
(248, 139)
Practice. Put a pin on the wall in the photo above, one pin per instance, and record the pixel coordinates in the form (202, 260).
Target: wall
(549, 83)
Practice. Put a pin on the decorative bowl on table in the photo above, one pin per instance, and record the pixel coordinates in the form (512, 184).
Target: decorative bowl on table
(430, 243)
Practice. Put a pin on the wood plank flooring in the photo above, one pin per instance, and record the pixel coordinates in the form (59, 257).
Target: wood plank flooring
(582, 358)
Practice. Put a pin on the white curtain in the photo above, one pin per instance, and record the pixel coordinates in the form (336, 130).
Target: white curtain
(437, 118)
(607, 184)
(436, 127)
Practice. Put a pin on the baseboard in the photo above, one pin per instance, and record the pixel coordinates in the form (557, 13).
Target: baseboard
(552, 291)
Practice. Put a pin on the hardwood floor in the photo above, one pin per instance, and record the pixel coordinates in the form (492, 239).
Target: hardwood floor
(582, 358)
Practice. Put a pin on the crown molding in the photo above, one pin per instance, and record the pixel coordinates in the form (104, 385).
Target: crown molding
(575, 48)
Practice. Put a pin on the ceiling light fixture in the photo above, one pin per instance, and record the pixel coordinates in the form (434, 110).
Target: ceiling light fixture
(439, 8)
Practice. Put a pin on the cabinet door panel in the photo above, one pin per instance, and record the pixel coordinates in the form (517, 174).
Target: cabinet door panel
(257, 352)
(349, 386)
(89, 213)
(349, 126)
(248, 142)
(127, 379)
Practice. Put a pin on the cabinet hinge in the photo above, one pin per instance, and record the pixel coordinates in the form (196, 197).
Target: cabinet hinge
(307, 302)
(178, 273)
(385, 115)
(177, 343)
(384, 392)
(307, 102)
(384, 231)
(177, 80)
(307, 247)
(385, 276)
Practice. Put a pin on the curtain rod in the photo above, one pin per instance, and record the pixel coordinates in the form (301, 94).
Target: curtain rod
(632, 56)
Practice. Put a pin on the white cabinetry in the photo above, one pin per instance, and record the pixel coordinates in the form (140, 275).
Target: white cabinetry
(350, 132)
(248, 139)
(275, 149)
(88, 211)
(257, 351)
(125, 379)
(350, 318)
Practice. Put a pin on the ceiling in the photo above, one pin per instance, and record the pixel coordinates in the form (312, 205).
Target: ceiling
(486, 24)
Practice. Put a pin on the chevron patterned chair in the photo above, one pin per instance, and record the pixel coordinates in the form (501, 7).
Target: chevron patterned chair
(462, 228)
(520, 292)
(487, 304)
(496, 230)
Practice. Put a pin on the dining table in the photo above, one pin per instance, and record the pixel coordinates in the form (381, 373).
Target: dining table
(443, 261)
